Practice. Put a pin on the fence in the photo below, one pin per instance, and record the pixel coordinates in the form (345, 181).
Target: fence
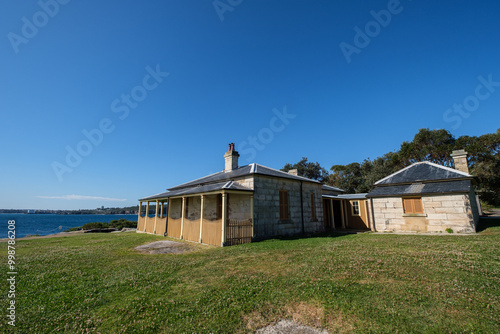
(238, 232)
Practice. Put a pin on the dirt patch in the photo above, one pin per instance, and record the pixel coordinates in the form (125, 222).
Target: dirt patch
(306, 313)
(166, 247)
(301, 318)
(290, 327)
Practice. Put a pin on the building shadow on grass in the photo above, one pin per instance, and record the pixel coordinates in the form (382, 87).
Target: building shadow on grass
(326, 234)
(487, 222)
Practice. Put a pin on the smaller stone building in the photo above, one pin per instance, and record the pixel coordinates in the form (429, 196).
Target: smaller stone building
(426, 197)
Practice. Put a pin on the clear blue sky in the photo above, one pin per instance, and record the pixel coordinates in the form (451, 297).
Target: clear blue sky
(221, 75)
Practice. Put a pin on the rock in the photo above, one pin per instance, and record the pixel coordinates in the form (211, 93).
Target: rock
(290, 327)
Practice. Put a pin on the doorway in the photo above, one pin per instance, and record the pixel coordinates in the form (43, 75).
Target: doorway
(337, 214)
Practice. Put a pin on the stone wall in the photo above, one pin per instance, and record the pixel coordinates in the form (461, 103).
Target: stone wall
(440, 213)
(474, 207)
(175, 208)
(210, 207)
(238, 206)
(267, 221)
(193, 207)
(388, 213)
(246, 181)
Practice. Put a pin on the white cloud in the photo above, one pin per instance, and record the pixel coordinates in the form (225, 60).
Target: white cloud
(81, 197)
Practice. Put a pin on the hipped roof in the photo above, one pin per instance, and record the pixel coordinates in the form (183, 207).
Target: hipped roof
(223, 181)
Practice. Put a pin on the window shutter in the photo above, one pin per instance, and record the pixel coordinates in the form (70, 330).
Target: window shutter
(283, 205)
(413, 205)
(417, 205)
(313, 207)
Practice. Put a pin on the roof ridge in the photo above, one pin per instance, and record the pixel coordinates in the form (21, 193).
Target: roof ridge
(447, 168)
(288, 174)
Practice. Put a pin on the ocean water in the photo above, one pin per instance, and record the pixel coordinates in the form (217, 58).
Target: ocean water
(45, 224)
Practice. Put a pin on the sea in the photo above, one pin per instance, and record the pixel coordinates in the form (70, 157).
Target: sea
(45, 224)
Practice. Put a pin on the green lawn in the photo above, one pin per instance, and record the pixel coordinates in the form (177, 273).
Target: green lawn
(97, 283)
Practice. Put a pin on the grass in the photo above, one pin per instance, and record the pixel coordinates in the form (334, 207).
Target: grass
(359, 283)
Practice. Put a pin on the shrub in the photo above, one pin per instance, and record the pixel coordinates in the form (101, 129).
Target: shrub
(91, 226)
(485, 206)
(122, 223)
(449, 230)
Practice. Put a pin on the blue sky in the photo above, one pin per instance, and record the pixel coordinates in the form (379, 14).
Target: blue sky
(106, 102)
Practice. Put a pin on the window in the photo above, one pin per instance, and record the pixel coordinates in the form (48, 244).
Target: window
(413, 205)
(284, 212)
(355, 208)
(313, 207)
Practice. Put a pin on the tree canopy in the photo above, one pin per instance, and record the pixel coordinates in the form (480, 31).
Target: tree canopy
(311, 170)
(427, 145)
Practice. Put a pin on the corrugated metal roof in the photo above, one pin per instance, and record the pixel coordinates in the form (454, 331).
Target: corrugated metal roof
(353, 196)
(423, 171)
(441, 187)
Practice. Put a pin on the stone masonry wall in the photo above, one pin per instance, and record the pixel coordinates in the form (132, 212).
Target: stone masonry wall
(239, 206)
(175, 208)
(388, 214)
(474, 207)
(440, 212)
(267, 221)
(193, 205)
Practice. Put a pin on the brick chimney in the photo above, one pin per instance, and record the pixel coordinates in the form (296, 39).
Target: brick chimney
(460, 160)
(294, 172)
(231, 158)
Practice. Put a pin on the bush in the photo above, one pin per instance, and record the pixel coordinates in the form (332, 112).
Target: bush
(73, 229)
(449, 230)
(485, 206)
(118, 224)
(92, 226)
(122, 223)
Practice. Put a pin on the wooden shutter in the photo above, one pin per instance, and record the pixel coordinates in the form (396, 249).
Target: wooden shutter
(313, 207)
(413, 205)
(284, 205)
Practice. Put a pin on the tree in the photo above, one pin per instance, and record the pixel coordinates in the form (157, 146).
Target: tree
(311, 170)
(428, 145)
(484, 163)
(434, 146)
(348, 177)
